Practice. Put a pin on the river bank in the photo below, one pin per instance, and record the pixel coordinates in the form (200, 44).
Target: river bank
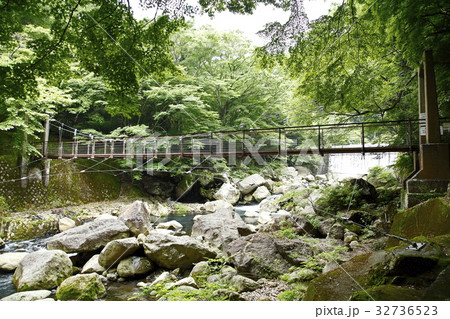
(260, 239)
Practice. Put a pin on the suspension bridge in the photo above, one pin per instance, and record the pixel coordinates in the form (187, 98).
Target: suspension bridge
(369, 137)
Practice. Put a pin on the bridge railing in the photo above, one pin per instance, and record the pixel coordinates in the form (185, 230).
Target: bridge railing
(318, 139)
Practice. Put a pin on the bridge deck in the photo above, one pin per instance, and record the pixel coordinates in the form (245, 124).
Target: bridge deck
(373, 137)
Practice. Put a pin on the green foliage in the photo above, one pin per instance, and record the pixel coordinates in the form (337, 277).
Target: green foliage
(180, 209)
(403, 165)
(381, 176)
(4, 207)
(296, 292)
(206, 291)
(342, 196)
(317, 262)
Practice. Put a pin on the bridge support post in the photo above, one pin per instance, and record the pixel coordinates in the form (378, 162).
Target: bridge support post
(46, 171)
(433, 178)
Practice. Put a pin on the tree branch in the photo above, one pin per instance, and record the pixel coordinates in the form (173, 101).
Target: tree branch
(60, 38)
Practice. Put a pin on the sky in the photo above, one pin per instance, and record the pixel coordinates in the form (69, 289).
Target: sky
(249, 24)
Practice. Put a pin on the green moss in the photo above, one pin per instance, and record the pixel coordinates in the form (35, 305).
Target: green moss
(429, 219)
(68, 186)
(387, 293)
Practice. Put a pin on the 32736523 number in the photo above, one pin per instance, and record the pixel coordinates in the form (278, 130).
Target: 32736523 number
(403, 310)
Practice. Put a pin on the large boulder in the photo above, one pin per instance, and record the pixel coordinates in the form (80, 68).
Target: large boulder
(10, 261)
(83, 287)
(264, 255)
(429, 219)
(137, 217)
(172, 252)
(117, 250)
(220, 228)
(289, 172)
(228, 193)
(90, 236)
(28, 295)
(260, 193)
(2, 243)
(216, 205)
(250, 183)
(42, 269)
(133, 266)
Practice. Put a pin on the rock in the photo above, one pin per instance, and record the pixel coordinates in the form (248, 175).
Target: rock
(387, 293)
(2, 243)
(289, 172)
(303, 171)
(172, 252)
(83, 287)
(90, 236)
(185, 185)
(137, 217)
(92, 265)
(321, 177)
(133, 266)
(251, 214)
(200, 272)
(216, 205)
(263, 255)
(407, 262)
(65, 223)
(438, 291)
(106, 216)
(250, 183)
(156, 186)
(265, 218)
(163, 278)
(329, 266)
(270, 184)
(336, 231)
(429, 219)
(303, 274)
(228, 193)
(226, 294)
(260, 193)
(270, 205)
(339, 284)
(10, 261)
(117, 250)
(243, 284)
(299, 223)
(171, 225)
(220, 228)
(310, 178)
(188, 281)
(349, 237)
(366, 190)
(325, 226)
(28, 295)
(42, 269)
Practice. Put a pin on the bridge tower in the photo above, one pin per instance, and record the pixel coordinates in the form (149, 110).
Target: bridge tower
(433, 176)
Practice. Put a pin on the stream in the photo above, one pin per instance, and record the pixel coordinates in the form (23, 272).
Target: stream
(115, 290)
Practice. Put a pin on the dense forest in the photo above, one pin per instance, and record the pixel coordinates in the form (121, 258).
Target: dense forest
(91, 65)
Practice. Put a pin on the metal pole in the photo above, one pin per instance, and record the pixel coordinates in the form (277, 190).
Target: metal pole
(362, 139)
(431, 105)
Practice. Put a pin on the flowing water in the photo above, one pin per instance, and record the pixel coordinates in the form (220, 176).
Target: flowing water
(128, 288)
(6, 286)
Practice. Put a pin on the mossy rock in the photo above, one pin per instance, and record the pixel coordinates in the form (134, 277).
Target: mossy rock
(429, 219)
(341, 283)
(83, 287)
(387, 293)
